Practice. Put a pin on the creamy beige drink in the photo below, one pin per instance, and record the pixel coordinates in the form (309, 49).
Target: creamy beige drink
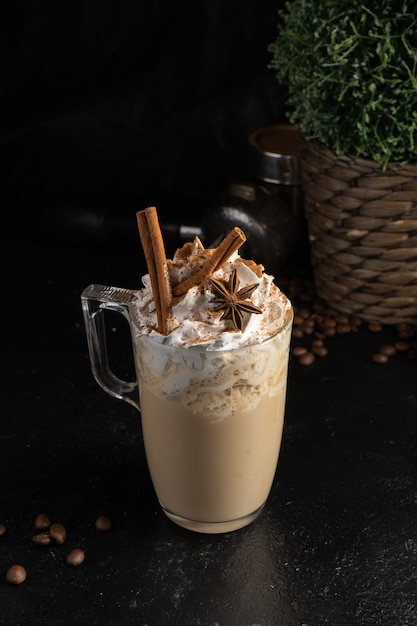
(212, 447)
(210, 334)
(212, 391)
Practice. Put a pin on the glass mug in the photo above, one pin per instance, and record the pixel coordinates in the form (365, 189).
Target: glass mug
(212, 420)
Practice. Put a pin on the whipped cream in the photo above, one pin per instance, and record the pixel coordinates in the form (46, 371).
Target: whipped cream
(195, 318)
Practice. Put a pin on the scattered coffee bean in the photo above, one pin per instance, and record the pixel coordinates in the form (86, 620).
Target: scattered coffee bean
(375, 327)
(315, 320)
(342, 319)
(329, 322)
(379, 358)
(388, 350)
(16, 575)
(42, 522)
(103, 523)
(317, 342)
(402, 346)
(2, 529)
(58, 533)
(75, 557)
(42, 539)
(343, 329)
(412, 353)
(406, 331)
(319, 350)
(299, 350)
(330, 331)
(307, 329)
(307, 358)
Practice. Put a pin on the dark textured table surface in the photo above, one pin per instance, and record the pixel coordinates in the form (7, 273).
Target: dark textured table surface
(336, 543)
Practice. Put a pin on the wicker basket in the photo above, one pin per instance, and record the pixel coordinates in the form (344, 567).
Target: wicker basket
(362, 223)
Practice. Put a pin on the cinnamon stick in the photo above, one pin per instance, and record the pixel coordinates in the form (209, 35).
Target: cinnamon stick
(153, 247)
(221, 254)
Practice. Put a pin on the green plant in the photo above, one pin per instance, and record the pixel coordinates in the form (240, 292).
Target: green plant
(351, 72)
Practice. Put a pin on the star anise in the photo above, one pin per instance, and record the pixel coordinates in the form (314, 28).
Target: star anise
(234, 302)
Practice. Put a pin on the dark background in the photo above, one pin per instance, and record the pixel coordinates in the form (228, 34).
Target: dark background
(115, 106)
(128, 103)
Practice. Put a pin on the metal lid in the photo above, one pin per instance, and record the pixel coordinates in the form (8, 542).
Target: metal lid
(274, 154)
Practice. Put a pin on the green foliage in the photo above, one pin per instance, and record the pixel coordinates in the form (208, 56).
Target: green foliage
(350, 69)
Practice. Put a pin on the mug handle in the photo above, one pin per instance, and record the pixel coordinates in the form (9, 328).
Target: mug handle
(96, 299)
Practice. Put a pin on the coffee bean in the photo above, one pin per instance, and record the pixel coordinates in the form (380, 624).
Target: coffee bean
(298, 320)
(343, 329)
(388, 350)
(16, 574)
(318, 324)
(103, 523)
(406, 331)
(42, 522)
(75, 557)
(299, 350)
(320, 350)
(317, 342)
(312, 317)
(58, 533)
(379, 358)
(308, 327)
(375, 327)
(402, 346)
(2, 529)
(42, 539)
(298, 333)
(306, 359)
(342, 319)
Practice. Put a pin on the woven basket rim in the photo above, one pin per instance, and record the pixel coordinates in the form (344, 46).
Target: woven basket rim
(350, 160)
